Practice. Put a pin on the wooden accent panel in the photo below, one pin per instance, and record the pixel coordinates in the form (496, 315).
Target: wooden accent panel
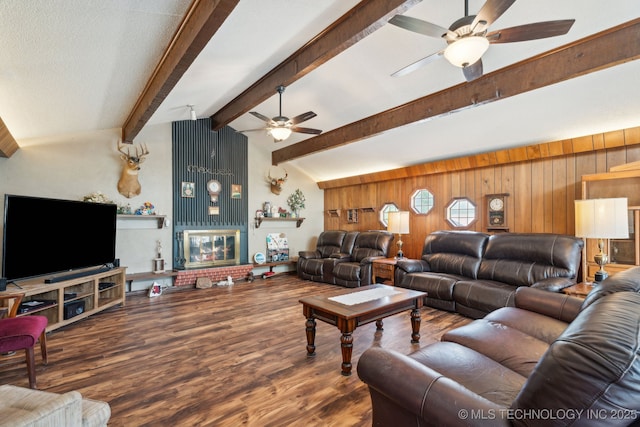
(542, 190)
(353, 26)
(602, 50)
(543, 150)
(201, 22)
(8, 144)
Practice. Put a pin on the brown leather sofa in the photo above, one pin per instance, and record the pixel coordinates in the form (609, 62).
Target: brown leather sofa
(552, 360)
(475, 273)
(350, 265)
(318, 265)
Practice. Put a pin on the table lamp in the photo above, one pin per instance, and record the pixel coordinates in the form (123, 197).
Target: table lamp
(399, 224)
(602, 219)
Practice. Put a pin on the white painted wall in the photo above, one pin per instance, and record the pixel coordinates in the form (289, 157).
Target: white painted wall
(71, 166)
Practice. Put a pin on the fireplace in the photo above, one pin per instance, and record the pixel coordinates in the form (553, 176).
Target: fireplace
(210, 248)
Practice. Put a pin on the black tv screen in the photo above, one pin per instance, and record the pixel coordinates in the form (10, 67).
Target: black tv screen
(44, 236)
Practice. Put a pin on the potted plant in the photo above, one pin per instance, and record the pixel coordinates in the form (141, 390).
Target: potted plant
(296, 202)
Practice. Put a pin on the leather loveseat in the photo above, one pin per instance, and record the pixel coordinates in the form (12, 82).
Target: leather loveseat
(475, 273)
(552, 360)
(351, 264)
(318, 265)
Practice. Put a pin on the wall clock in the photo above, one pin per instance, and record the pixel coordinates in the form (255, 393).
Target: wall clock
(497, 212)
(213, 187)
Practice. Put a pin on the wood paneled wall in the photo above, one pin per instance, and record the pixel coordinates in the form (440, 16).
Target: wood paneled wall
(542, 189)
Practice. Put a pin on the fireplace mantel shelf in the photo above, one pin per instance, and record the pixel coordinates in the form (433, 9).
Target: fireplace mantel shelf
(298, 221)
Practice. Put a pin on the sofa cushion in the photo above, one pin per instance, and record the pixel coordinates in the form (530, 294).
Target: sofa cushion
(522, 259)
(473, 370)
(454, 252)
(329, 242)
(436, 285)
(544, 328)
(594, 365)
(484, 295)
(508, 346)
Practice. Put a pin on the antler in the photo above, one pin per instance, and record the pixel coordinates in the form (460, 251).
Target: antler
(141, 151)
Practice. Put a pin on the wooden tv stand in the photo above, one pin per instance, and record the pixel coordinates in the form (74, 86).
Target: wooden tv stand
(60, 301)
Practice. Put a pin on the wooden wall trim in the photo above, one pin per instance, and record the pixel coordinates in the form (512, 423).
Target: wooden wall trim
(8, 144)
(625, 137)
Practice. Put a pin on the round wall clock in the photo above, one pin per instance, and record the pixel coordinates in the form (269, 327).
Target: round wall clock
(214, 187)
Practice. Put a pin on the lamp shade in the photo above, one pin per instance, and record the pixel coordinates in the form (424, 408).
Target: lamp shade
(602, 218)
(398, 222)
(280, 133)
(466, 51)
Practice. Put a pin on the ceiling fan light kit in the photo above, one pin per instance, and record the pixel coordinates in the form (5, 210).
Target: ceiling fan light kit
(281, 127)
(466, 51)
(279, 133)
(467, 38)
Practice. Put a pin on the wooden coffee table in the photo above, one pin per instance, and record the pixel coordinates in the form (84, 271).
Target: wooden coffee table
(390, 300)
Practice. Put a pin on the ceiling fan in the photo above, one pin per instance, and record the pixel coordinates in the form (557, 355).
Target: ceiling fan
(467, 38)
(280, 127)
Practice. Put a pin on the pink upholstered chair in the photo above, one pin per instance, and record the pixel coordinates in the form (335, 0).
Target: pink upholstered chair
(22, 333)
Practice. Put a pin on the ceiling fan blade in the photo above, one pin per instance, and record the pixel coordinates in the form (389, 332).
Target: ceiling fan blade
(422, 27)
(418, 64)
(252, 130)
(473, 71)
(303, 117)
(537, 30)
(491, 11)
(305, 130)
(265, 119)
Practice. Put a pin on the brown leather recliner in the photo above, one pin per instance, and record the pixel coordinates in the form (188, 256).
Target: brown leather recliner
(356, 270)
(552, 360)
(318, 265)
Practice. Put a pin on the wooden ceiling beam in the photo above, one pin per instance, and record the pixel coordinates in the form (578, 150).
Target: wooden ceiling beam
(362, 20)
(8, 144)
(200, 23)
(606, 49)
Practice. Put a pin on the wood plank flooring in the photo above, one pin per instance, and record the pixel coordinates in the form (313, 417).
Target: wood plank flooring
(225, 356)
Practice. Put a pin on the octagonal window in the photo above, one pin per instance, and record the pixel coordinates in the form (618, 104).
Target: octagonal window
(422, 201)
(384, 212)
(461, 212)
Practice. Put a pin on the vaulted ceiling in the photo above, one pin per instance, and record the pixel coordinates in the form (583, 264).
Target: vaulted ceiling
(74, 66)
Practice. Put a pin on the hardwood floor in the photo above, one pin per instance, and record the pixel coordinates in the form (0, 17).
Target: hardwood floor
(225, 356)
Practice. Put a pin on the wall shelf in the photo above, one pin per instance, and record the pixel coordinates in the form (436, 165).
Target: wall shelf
(135, 221)
(298, 221)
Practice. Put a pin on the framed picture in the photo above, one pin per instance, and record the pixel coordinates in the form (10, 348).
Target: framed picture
(188, 189)
(236, 191)
(214, 210)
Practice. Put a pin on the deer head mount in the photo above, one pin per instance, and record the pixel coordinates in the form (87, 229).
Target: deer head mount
(128, 184)
(276, 183)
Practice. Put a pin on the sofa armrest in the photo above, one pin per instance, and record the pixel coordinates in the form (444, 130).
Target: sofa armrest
(554, 284)
(341, 256)
(309, 254)
(370, 259)
(412, 265)
(424, 392)
(556, 305)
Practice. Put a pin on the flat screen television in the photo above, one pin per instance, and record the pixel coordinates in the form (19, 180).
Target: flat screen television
(44, 236)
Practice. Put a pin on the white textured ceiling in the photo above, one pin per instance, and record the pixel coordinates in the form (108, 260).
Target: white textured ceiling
(72, 66)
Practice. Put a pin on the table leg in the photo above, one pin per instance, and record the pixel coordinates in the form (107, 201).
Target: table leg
(346, 343)
(311, 336)
(379, 325)
(415, 326)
